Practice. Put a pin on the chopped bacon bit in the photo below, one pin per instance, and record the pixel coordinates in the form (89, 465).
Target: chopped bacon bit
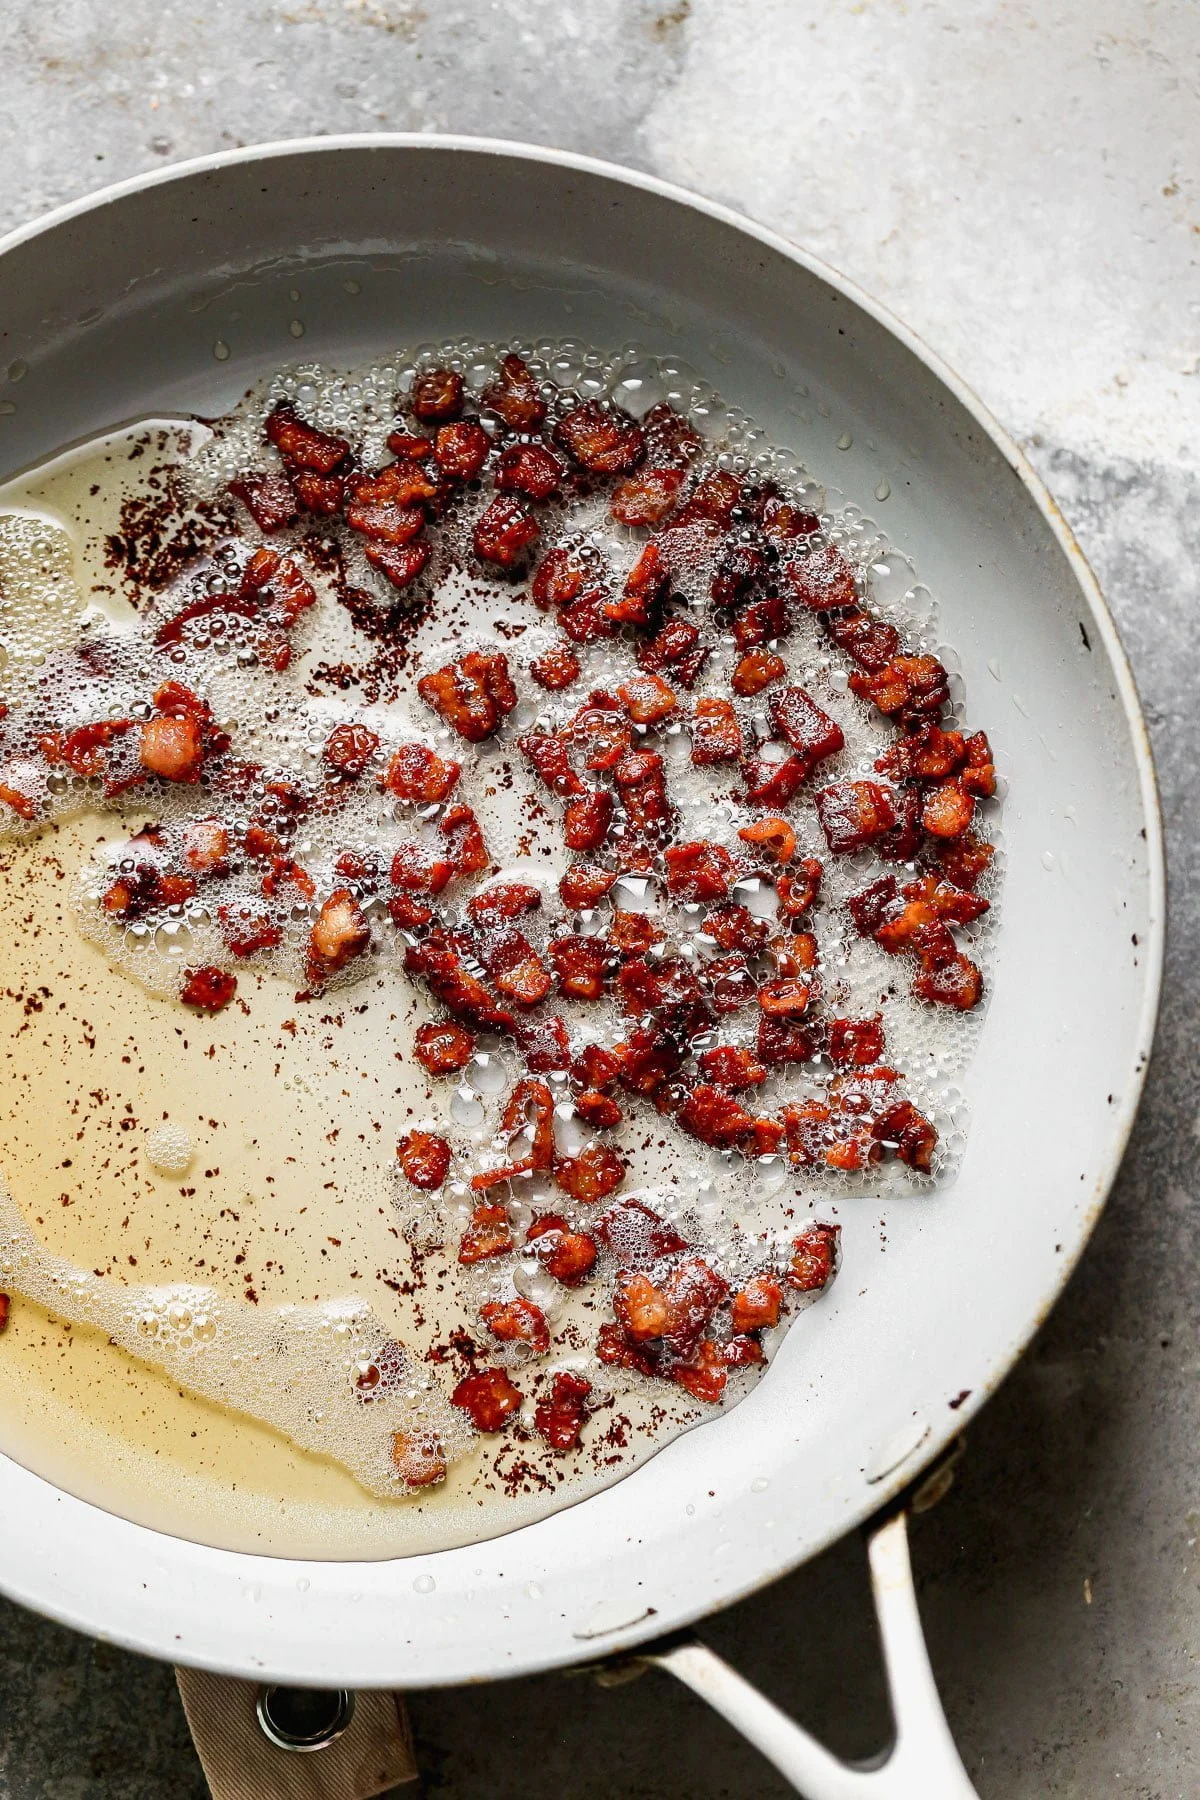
(783, 522)
(735, 927)
(584, 886)
(547, 753)
(871, 643)
(785, 999)
(699, 871)
(320, 494)
(823, 580)
(507, 900)
(693, 1291)
(437, 395)
(556, 668)
(504, 532)
(535, 1096)
(813, 1256)
(811, 733)
(757, 670)
(489, 1397)
(269, 499)
(774, 783)
(856, 1043)
(757, 1307)
(729, 983)
(731, 1066)
(172, 749)
(853, 814)
(741, 1352)
(570, 1256)
(389, 507)
(461, 450)
(870, 908)
(763, 621)
(598, 1110)
(716, 498)
(775, 836)
(909, 687)
(302, 446)
(515, 396)
(965, 860)
(80, 749)
(783, 1040)
(415, 870)
(205, 845)
(561, 1418)
(603, 440)
(442, 1047)
(559, 578)
(641, 1308)
(22, 805)
(488, 1234)
(401, 564)
(716, 733)
(581, 965)
(473, 694)
(957, 983)
(979, 773)
(643, 789)
(208, 989)
(585, 621)
(528, 469)
(586, 820)
(424, 1158)
(348, 749)
(676, 649)
(648, 699)
(928, 754)
(714, 1116)
(517, 1322)
(601, 731)
(519, 973)
(645, 585)
(246, 932)
(467, 848)
(418, 1460)
(614, 1349)
(647, 497)
(544, 1043)
(741, 565)
(796, 893)
(948, 810)
(408, 447)
(5, 1308)
(632, 934)
(908, 1133)
(588, 1177)
(946, 901)
(637, 1235)
(339, 934)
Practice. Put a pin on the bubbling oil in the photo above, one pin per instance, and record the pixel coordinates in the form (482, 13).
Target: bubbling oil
(250, 1398)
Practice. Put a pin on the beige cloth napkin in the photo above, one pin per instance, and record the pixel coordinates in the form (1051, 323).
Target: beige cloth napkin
(373, 1754)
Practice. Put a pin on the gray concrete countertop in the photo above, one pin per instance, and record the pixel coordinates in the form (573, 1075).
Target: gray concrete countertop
(1020, 184)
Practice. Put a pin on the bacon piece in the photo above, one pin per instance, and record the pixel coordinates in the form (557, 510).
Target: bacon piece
(339, 934)
(979, 772)
(853, 814)
(21, 804)
(570, 1256)
(556, 668)
(714, 1116)
(670, 989)
(560, 1418)
(948, 810)
(823, 581)
(534, 1097)
(598, 1110)
(601, 731)
(517, 1322)
(594, 1173)
(544, 1043)
(416, 871)
(205, 844)
(796, 893)
(677, 650)
(814, 1253)
(637, 1235)
(643, 790)
(301, 445)
(774, 835)
(645, 586)
(436, 395)
(783, 1040)
(467, 848)
(648, 699)
(928, 754)
(774, 782)
(424, 1158)
(964, 861)
(208, 989)
(584, 621)
(945, 901)
(388, 507)
(528, 469)
(246, 932)
(584, 886)
(729, 983)
(911, 688)
(699, 871)
(269, 499)
(408, 446)
(401, 564)
(806, 1128)
(581, 965)
(715, 498)
(781, 520)
(856, 1043)
(461, 450)
(517, 970)
(586, 820)
(560, 576)
(757, 670)
(632, 934)
(488, 1234)
(734, 927)
(811, 733)
(762, 622)
(506, 900)
(741, 565)
(172, 749)
(705, 1376)
(473, 694)
(641, 1308)
(716, 733)
(731, 1066)
(418, 1459)
(870, 642)
(908, 1133)
(547, 753)
(785, 999)
(489, 1397)
(348, 749)
(647, 497)
(957, 983)
(323, 495)
(504, 532)
(515, 396)
(871, 907)
(757, 1306)
(693, 1291)
(739, 1351)
(602, 439)
(443, 1047)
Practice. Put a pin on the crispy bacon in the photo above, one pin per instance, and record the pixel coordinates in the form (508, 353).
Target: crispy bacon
(756, 670)
(205, 844)
(487, 1235)
(145, 890)
(301, 445)
(647, 497)
(348, 749)
(774, 835)
(424, 1158)
(269, 499)
(400, 563)
(731, 1066)
(716, 733)
(489, 1397)
(504, 532)
(461, 450)
(339, 934)
(856, 1043)
(698, 872)
(590, 1176)
(602, 439)
(911, 688)
(436, 395)
(517, 1322)
(570, 1256)
(515, 396)
(648, 699)
(556, 668)
(823, 581)
(584, 886)
(757, 1306)
(528, 469)
(560, 1418)
(473, 694)
(813, 1255)
(208, 989)
(853, 814)
(418, 1459)
(442, 1047)
(465, 839)
(246, 932)
(581, 966)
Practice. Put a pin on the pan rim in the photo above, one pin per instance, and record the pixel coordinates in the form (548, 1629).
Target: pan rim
(74, 1610)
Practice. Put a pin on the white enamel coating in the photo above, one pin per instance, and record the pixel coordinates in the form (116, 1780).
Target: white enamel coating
(115, 305)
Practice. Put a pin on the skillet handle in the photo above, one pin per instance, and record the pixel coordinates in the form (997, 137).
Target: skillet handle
(922, 1764)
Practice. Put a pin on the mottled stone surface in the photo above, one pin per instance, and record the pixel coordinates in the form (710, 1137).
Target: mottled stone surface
(1020, 184)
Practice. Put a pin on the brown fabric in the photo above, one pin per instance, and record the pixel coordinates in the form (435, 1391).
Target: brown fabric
(373, 1754)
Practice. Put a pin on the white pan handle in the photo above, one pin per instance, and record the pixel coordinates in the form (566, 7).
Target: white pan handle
(923, 1763)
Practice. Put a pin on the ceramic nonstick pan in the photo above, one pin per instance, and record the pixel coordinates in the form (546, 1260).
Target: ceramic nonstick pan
(109, 310)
